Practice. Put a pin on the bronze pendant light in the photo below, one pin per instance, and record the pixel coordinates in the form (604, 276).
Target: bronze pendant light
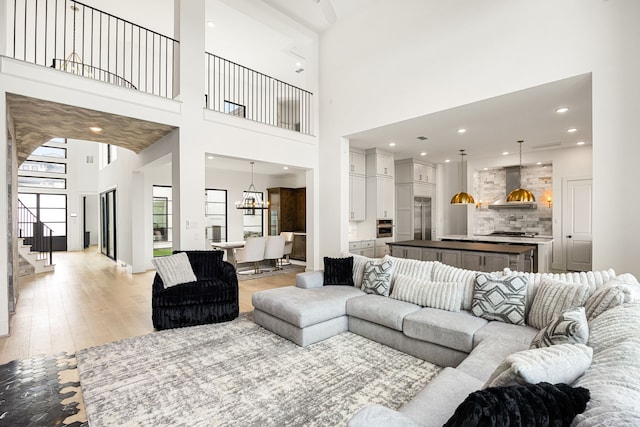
(520, 194)
(462, 198)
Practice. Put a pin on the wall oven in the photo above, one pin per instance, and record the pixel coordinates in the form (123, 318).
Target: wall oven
(384, 228)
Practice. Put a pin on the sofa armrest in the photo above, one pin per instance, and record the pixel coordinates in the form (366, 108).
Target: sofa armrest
(380, 416)
(310, 279)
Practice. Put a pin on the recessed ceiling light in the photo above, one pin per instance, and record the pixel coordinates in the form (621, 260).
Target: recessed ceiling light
(538, 163)
(211, 24)
(298, 64)
(562, 110)
(285, 167)
(572, 130)
(210, 157)
(486, 169)
(423, 153)
(462, 130)
(447, 161)
(505, 153)
(580, 143)
(95, 129)
(392, 144)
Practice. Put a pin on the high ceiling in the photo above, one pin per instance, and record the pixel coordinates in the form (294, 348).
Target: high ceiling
(37, 121)
(493, 126)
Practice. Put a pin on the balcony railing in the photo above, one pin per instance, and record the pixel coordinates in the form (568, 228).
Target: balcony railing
(73, 37)
(243, 92)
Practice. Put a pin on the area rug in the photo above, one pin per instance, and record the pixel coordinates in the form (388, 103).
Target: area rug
(291, 268)
(41, 391)
(239, 374)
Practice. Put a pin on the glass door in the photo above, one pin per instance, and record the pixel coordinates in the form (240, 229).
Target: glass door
(108, 224)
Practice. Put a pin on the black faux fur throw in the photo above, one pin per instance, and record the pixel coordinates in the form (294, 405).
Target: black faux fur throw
(538, 405)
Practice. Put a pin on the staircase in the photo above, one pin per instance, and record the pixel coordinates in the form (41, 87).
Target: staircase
(32, 262)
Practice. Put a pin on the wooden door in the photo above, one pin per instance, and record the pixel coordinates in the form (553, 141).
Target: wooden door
(577, 223)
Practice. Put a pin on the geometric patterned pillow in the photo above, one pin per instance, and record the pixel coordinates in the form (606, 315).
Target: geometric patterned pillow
(554, 297)
(500, 298)
(377, 277)
(570, 327)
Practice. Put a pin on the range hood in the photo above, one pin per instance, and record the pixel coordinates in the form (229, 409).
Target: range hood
(513, 182)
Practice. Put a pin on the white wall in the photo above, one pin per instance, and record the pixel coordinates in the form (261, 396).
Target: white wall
(391, 63)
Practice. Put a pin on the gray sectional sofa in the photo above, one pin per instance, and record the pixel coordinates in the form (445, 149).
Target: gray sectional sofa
(467, 346)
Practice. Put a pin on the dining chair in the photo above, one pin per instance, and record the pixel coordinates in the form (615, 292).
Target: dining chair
(253, 252)
(288, 247)
(274, 250)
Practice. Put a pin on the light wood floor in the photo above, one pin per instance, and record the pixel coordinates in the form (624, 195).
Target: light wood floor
(89, 301)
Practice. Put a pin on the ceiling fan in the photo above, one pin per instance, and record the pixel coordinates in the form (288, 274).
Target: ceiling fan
(328, 10)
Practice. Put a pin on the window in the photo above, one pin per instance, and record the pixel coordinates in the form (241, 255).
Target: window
(108, 154)
(216, 215)
(59, 140)
(162, 220)
(37, 182)
(253, 221)
(50, 209)
(44, 151)
(38, 166)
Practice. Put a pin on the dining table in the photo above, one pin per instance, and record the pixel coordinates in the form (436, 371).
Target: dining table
(230, 248)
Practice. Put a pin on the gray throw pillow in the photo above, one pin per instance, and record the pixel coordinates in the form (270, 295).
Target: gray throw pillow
(174, 269)
(377, 277)
(500, 298)
(563, 363)
(554, 297)
(569, 327)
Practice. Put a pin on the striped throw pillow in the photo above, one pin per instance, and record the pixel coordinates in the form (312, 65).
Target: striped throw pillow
(554, 297)
(174, 269)
(442, 295)
(605, 298)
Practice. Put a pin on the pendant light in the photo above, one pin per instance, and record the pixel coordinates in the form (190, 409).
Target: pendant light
(462, 198)
(520, 194)
(252, 198)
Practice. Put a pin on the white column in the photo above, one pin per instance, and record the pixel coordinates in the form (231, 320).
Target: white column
(188, 160)
(5, 205)
(140, 232)
(4, 28)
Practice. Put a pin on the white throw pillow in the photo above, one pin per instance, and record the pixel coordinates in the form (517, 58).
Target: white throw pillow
(554, 297)
(569, 327)
(563, 363)
(609, 296)
(174, 269)
(442, 295)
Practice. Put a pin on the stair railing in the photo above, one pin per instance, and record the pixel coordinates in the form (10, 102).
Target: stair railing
(35, 233)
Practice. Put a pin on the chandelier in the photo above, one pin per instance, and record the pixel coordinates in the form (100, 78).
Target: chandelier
(252, 198)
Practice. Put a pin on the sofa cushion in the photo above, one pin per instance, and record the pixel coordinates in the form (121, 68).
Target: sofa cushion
(380, 416)
(540, 404)
(487, 355)
(338, 271)
(381, 310)
(570, 327)
(563, 363)
(305, 307)
(435, 403)
(499, 298)
(174, 269)
(442, 295)
(410, 267)
(552, 298)
(522, 334)
(449, 329)
(376, 278)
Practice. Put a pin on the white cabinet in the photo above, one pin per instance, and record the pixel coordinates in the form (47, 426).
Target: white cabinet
(410, 170)
(357, 163)
(380, 164)
(357, 198)
(384, 195)
(422, 173)
(363, 247)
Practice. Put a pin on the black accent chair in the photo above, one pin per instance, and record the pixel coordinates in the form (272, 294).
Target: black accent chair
(212, 298)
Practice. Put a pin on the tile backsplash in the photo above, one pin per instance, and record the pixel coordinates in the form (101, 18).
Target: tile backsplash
(490, 185)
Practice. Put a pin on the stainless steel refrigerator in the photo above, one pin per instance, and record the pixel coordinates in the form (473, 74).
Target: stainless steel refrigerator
(422, 218)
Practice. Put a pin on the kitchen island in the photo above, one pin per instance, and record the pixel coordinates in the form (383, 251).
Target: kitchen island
(542, 256)
(468, 255)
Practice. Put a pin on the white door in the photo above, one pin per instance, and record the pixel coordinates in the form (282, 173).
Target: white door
(577, 221)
